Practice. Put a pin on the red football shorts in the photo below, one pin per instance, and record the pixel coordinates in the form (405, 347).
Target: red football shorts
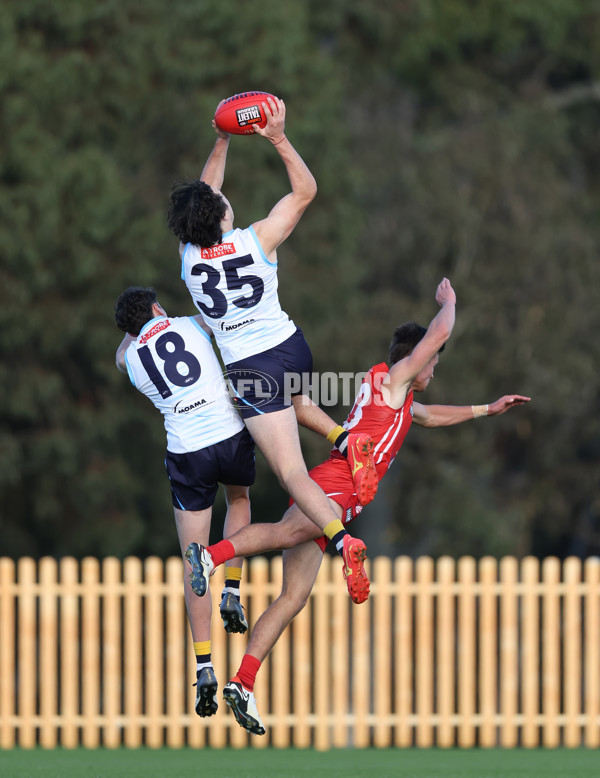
(335, 479)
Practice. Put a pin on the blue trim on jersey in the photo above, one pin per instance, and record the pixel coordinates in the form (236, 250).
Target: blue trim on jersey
(259, 247)
(129, 370)
(183, 261)
(202, 330)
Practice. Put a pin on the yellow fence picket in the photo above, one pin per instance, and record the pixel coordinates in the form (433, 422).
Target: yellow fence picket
(572, 652)
(530, 664)
(466, 652)
(112, 672)
(424, 651)
(446, 655)
(175, 654)
(7, 653)
(27, 660)
(90, 651)
(509, 651)
(591, 680)
(133, 645)
(153, 651)
(403, 656)
(48, 642)
(69, 637)
(488, 658)
(382, 614)
(551, 652)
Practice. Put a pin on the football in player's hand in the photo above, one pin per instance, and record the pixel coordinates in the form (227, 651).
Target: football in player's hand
(238, 114)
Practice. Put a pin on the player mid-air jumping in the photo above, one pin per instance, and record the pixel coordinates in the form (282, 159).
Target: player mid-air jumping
(232, 277)
(384, 409)
(171, 360)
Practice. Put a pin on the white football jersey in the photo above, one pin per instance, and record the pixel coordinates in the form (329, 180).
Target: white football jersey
(173, 363)
(234, 286)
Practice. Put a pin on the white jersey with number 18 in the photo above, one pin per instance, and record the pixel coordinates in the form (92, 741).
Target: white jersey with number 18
(234, 286)
(173, 363)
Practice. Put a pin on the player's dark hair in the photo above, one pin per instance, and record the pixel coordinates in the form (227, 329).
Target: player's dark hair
(134, 308)
(404, 340)
(195, 213)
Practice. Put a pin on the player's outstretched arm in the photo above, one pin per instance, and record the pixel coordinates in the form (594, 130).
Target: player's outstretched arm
(404, 372)
(272, 231)
(213, 172)
(446, 415)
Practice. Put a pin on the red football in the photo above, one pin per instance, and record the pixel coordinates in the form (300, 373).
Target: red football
(239, 114)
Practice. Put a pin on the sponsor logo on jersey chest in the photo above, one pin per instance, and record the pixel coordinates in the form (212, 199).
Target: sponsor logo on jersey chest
(220, 250)
(162, 325)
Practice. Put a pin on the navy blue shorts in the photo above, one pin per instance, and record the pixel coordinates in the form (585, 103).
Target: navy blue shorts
(266, 382)
(195, 477)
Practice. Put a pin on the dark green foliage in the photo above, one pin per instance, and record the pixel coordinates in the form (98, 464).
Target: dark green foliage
(447, 138)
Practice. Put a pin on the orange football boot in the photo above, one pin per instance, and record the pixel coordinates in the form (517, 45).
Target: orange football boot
(364, 473)
(354, 553)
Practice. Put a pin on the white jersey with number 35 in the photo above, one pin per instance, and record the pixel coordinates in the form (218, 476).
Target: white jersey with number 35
(234, 286)
(173, 363)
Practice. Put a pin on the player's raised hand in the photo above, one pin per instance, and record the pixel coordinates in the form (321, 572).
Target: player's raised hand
(506, 403)
(221, 133)
(445, 293)
(274, 109)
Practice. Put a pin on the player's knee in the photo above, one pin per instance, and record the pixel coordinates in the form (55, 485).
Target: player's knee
(237, 496)
(294, 601)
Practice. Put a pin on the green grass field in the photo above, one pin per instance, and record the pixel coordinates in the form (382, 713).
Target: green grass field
(271, 763)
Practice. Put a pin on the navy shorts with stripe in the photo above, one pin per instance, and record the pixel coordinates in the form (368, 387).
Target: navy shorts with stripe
(267, 381)
(195, 476)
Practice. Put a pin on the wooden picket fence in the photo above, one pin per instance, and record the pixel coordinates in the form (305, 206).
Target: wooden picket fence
(447, 653)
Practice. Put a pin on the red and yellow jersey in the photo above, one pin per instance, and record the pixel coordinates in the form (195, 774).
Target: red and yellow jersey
(372, 416)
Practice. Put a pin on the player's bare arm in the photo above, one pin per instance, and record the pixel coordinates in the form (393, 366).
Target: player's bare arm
(421, 362)
(447, 415)
(272, 231)
(120, 355)
(213, 172)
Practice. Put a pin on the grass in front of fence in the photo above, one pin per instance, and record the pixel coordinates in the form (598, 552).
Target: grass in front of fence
(289, 763)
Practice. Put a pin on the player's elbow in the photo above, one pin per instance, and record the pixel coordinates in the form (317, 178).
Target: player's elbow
(306, 195)
(444, 332)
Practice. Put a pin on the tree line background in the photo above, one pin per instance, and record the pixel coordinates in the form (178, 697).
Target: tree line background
(447, 137)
